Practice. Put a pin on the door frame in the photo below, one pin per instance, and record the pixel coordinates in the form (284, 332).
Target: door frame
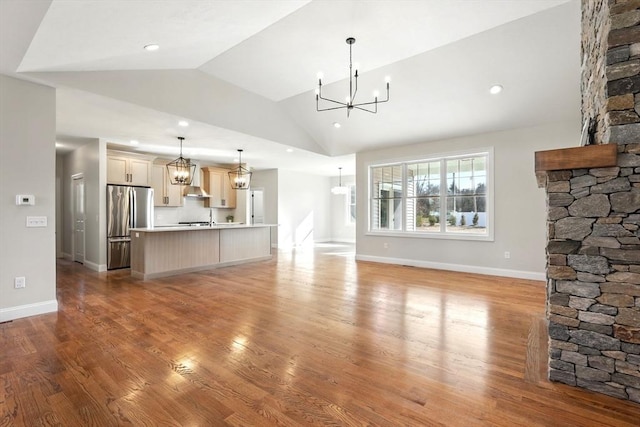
(75, 177)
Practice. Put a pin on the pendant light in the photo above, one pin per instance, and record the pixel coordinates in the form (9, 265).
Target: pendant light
(181, 170)
(340, 189)
(240, 177)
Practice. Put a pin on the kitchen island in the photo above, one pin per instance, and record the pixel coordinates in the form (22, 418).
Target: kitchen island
(167, 251)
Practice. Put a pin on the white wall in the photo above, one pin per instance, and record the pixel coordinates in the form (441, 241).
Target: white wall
(90, 161)
(27, 166)
(267, 180)
(304, 209)
(342, 230)
(520, 212)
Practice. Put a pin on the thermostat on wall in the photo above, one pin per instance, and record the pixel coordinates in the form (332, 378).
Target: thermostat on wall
(25, 199)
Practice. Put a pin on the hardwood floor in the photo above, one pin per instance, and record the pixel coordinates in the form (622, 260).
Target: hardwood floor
(310, 338)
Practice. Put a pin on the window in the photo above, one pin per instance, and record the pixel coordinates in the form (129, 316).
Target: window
(441, 197)
(351, 207)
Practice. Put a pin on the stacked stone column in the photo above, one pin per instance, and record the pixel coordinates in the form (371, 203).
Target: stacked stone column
(593, 258)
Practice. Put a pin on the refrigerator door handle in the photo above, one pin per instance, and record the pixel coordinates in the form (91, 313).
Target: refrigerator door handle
(122, 239)
(132, 208)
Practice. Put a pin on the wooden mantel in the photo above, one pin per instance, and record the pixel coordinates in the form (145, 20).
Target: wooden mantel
(588, 156)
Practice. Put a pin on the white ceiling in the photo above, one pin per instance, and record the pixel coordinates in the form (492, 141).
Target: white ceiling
(243, 73)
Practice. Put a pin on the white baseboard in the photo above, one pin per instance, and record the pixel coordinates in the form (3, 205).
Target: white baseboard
(18, 312)
(343, 241)
(67, 256)
(95, 267)
(518, 274)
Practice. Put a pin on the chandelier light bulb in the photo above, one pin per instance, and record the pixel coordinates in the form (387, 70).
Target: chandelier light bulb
(376, 93)
(387, 79)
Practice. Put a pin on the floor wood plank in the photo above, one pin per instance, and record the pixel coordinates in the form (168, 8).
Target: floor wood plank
(309, 338)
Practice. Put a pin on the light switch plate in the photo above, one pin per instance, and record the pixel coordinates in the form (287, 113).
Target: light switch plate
(25, 199)
(36, 221)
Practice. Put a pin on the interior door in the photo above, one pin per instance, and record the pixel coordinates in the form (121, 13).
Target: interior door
(78, 219)
(257, 207)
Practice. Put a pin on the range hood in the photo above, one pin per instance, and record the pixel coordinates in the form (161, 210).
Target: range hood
(194, 190)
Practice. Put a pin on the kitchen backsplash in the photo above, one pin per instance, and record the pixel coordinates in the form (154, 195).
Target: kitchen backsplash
(193, 210)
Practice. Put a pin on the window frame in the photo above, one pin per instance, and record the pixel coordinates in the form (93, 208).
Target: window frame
(351, 219)
(442, 233)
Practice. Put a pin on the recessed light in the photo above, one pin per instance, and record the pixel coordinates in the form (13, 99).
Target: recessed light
(495, 89)
(336, 125)
(183, 123)
(59, 145)
(151, 47)
(289, 150)
(134, 142)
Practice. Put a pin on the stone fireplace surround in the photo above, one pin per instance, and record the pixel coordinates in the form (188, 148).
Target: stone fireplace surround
(593, 271)
(593, 214)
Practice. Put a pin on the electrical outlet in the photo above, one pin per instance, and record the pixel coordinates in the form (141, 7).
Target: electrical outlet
(20, 282)
(507, 255)
(386, 245)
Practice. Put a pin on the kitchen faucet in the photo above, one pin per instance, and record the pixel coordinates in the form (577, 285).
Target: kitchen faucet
(211, 217)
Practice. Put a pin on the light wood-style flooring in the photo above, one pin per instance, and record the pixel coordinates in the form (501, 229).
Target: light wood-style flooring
(309, 338)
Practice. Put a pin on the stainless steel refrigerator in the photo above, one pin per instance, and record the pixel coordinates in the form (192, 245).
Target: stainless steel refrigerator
(127, 207)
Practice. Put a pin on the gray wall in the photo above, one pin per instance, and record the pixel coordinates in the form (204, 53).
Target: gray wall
(519, 206)
(90, 161)
(27, 166)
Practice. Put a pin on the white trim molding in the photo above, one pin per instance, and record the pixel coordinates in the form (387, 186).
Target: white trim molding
(95, 267)
(18, 312)
(528, 275)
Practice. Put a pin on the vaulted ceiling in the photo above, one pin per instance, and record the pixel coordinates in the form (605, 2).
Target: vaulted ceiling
(243, 73)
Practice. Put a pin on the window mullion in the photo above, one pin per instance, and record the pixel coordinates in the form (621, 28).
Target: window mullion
(443, 196)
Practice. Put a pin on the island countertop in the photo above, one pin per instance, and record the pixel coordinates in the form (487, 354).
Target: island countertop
(180, 227)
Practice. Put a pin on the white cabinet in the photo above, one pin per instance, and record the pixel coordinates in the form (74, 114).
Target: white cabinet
(164, 193)
(216, 183)
(125, 170)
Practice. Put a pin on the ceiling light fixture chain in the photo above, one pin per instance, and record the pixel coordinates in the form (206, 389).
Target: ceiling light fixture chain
(181, 170)
(350, 102)
(240, 177)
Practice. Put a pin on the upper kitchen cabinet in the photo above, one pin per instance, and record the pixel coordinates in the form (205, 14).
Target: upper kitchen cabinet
(216, 183)
(128, 170)
(164, 193)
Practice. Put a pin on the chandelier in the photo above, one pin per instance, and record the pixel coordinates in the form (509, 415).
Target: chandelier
(350, 104)
(181, 170)
(340, 189)
(240, 177)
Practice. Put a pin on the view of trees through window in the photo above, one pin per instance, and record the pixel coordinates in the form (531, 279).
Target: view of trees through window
(447, 195)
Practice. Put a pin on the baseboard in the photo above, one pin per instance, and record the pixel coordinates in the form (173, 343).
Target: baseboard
(95, 267)
(18, 312)
(518, 274)
(353, 241)
(67, 256)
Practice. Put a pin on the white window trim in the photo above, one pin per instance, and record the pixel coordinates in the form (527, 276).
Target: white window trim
(348, 203)
(489, 237)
